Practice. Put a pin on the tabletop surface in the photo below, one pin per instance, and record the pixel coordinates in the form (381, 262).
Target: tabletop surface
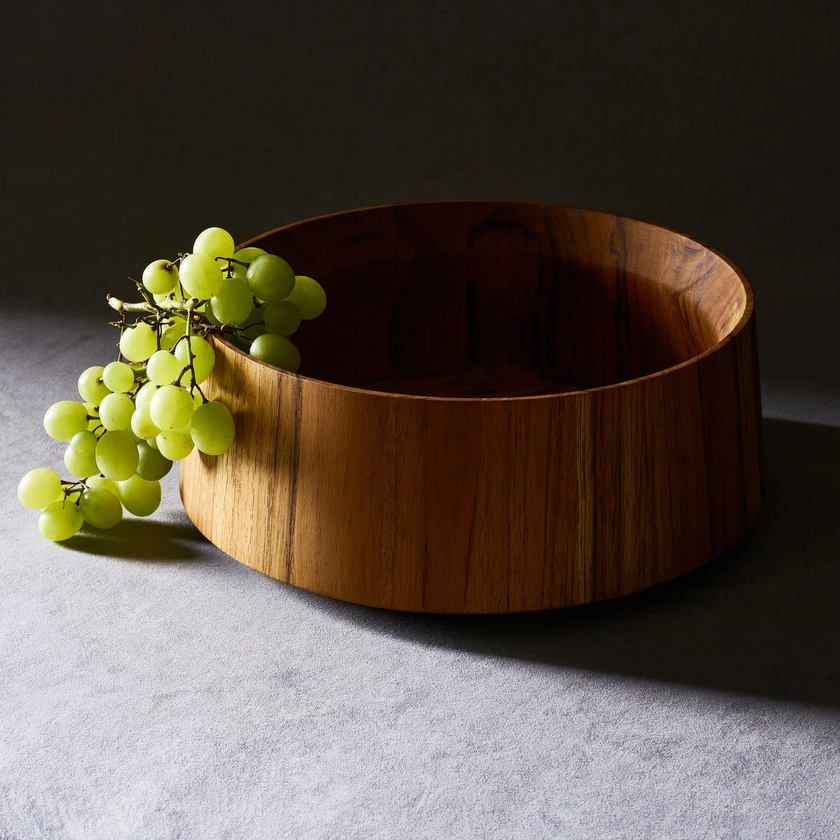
(155, 688)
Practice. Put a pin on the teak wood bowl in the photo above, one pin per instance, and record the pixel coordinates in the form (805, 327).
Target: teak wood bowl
(505, 407)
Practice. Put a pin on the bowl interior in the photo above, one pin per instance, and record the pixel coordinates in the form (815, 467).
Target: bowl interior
(490, 299)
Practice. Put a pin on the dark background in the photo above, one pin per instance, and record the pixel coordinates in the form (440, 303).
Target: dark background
(130, 126)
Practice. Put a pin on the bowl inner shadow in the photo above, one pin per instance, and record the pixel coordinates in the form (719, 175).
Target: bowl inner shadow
(511, 325)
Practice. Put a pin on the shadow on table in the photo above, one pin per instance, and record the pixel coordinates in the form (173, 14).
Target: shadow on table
(763, 618)
(141, 539)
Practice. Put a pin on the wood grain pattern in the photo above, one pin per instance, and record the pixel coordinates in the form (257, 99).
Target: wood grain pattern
(504, 407)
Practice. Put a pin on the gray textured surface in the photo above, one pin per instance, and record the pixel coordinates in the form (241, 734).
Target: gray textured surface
(154, 688)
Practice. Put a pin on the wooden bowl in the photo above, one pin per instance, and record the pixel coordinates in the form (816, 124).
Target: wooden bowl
(505, 407)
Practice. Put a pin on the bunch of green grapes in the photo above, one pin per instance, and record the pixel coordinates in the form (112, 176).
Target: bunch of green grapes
(146, 409)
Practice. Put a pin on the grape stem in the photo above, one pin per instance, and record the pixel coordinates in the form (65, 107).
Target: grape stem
(191, 365)
(232, 260)
(71, 487)
(152, 307)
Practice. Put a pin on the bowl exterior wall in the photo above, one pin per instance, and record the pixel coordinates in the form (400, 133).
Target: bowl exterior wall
(483, 506)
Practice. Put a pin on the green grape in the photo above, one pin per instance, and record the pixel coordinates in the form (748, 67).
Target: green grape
(91, 387)
(171, 408)
(204, 357)
(60, 520)
(174, 445)
(116, 455)
(83, 443)
(163, 368)
(246, 255)
(152, 465)
(118, 377)
(160, 277)
(233, 303)
(115, 412)
(63, 419)
(79, 465)
(201, 276)
(282, 318)
(100, 507)
(101, 481)
(210, 315)
(309, 296)
(138, 343)
(212, 428)
(145, 394)
(271, 278)
(142, 425)
(277, 351)
(215, 242)
(153, 442)
(138, 496)
(39, 487)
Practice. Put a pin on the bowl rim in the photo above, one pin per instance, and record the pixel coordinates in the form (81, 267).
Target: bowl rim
(747, 314)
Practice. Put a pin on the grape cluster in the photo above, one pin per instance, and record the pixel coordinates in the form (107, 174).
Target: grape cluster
(145, 410)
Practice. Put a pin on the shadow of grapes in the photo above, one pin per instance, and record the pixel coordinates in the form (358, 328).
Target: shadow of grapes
(141, 539)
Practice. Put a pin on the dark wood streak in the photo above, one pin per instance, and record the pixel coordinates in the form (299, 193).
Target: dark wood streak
(469, 555)
(293, 490)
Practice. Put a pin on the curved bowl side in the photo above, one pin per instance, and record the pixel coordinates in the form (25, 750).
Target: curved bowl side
(484, 505)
